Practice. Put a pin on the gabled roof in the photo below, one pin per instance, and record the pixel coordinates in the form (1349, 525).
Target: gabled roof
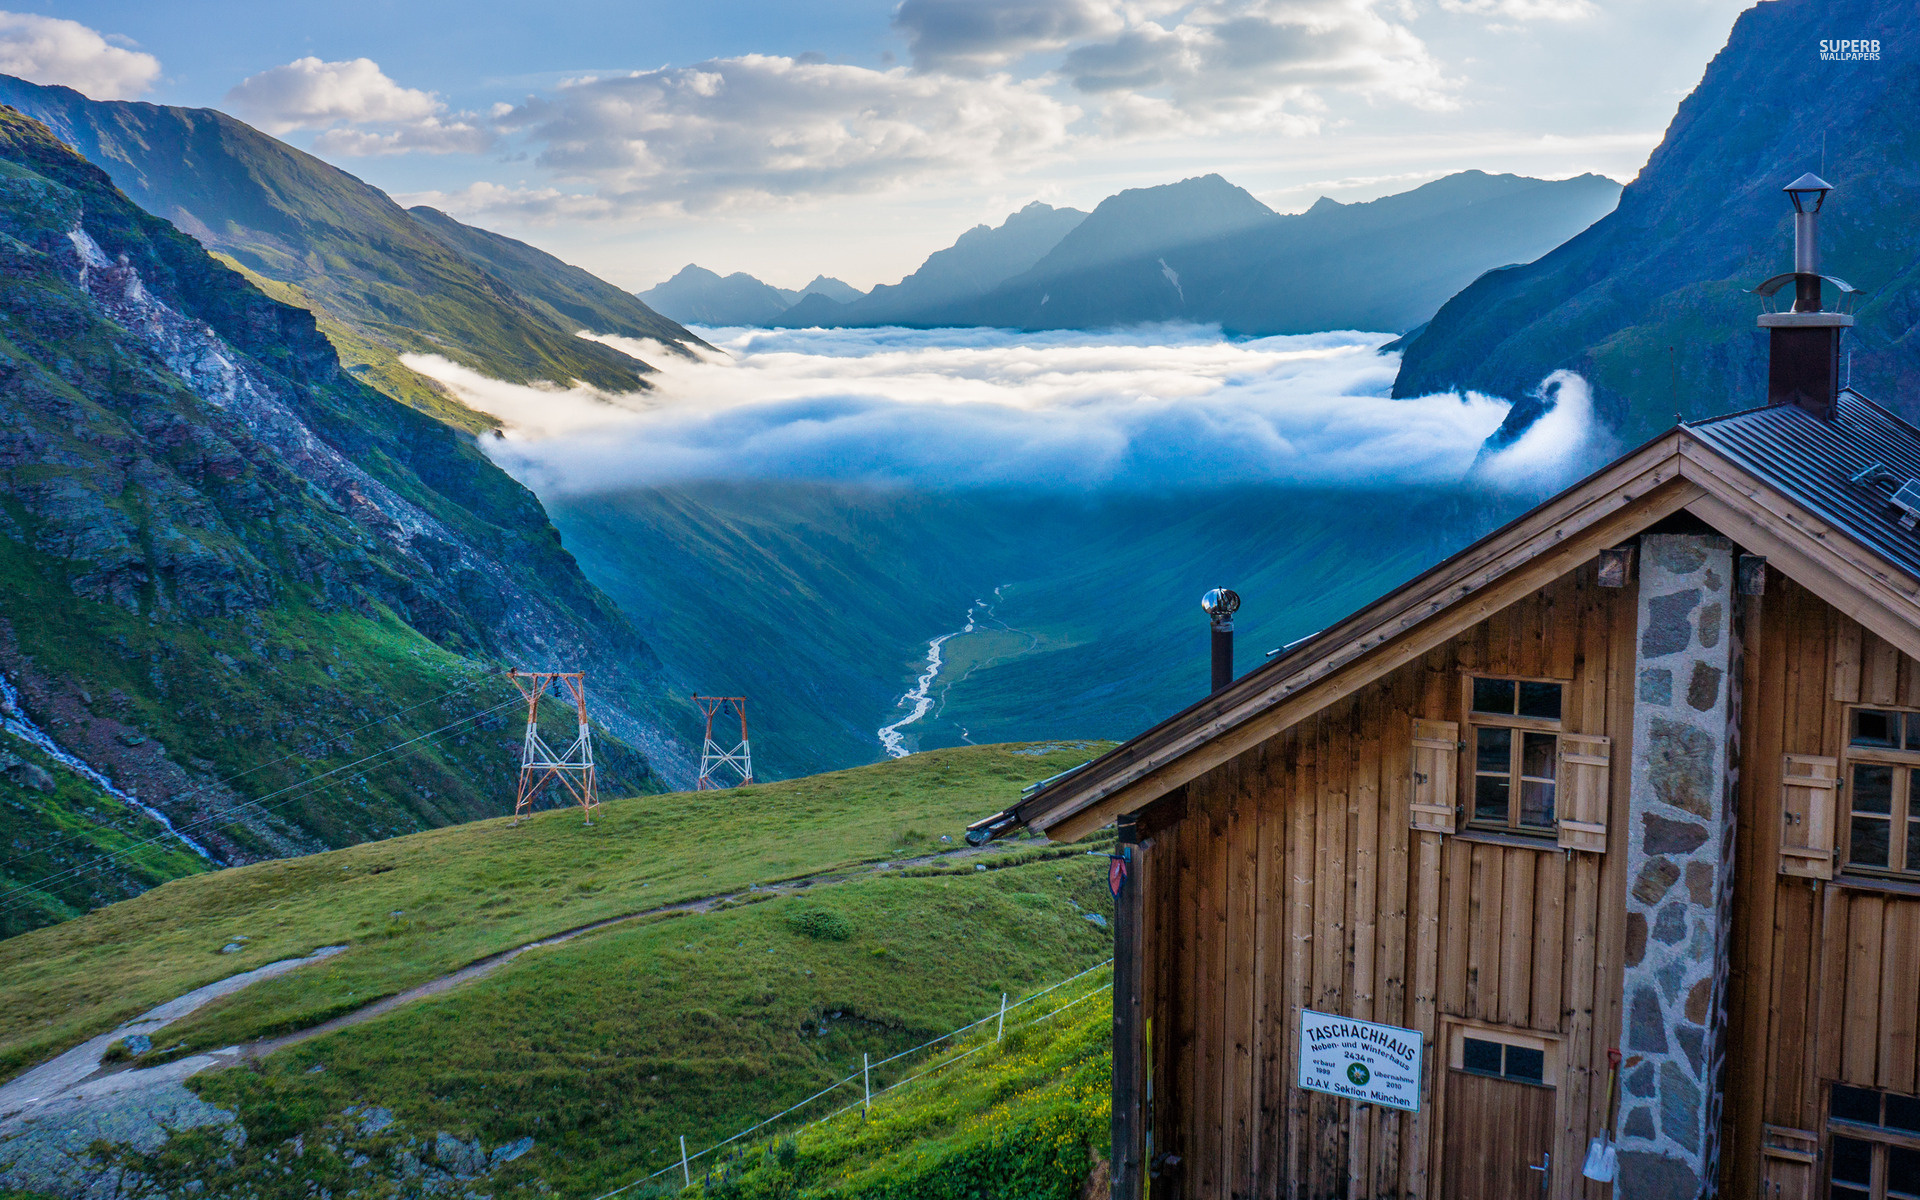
(1775, 480)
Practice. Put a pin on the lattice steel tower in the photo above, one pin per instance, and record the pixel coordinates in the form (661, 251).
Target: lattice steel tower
(539, 765)
(712, 757)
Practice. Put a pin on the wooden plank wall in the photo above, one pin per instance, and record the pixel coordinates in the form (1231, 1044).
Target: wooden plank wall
(1826, 978)
(1289, 879)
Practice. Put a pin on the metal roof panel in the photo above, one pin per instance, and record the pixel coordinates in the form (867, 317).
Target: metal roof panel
(1813, 461)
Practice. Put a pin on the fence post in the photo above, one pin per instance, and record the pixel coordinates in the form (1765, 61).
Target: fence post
(866, 1077)
(1002, 1027)
(684, 1172)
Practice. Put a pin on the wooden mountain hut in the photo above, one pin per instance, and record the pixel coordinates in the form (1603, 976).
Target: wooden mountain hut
(1638, 772)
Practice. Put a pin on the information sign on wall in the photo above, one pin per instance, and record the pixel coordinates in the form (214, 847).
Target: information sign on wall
(1375, 1064)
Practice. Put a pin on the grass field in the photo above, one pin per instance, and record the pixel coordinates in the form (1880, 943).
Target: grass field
(416, 907)
(593, 1057)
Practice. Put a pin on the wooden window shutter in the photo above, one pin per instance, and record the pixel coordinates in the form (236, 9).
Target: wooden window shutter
(1436, 774)
(1585, 772)
(1811, 787)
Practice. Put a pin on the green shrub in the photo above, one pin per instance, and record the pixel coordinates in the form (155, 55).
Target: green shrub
(821, 924)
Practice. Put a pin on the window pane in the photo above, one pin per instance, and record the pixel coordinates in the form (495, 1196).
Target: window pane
(1872, 788)
(1493, 696)
(1852, 1161)
(1490, 798)
(1872, 727)
(1913, 731)
(1538, 754)
(1855, 1104)
(1869, 845)
(1494, 751)
(1540, 700)
(1903, 1171)
(1481, 1056)
(1526, 1063)
(1903, 1112)
(1536, 804)
(1913, 844)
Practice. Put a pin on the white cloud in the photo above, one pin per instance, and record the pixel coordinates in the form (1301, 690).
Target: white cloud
(1523, 10)
(763, 128)
(1253, 65)
(357, 108)
(971, 37)
(1158, 407)
(50, 50)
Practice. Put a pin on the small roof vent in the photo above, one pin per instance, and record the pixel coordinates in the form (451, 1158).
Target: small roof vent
(1906, 497)
(1907, 500)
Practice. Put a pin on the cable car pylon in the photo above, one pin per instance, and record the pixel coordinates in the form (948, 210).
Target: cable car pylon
(712, 756)
(539, 764)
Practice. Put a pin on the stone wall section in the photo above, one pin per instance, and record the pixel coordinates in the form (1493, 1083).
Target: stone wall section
(1679, 867)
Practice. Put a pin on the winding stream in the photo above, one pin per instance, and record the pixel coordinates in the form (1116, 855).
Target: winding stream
(920, 698)
(14, 720)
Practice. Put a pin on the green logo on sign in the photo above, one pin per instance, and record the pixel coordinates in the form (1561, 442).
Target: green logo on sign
(1358, 1073)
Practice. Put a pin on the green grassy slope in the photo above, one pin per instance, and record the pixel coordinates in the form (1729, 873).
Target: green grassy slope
(569, 296)
(1025, 1116)
(468, 891)
(358, 256)
(604, 1049)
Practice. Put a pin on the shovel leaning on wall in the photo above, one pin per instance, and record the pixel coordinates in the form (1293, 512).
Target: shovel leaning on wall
(1603, 1161)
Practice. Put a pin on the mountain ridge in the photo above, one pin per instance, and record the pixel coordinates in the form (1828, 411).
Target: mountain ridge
(343, 247)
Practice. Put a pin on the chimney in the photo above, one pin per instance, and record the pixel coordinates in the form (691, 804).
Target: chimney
(1803, 355)
(1221, 604)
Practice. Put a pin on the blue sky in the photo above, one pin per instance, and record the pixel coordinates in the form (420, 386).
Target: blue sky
(852, 138)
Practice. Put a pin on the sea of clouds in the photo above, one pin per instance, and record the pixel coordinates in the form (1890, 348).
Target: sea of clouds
(1137, 409)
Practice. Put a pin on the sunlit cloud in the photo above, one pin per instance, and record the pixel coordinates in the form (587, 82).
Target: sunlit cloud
(52, 50)
(1168, 406)
(357, 108)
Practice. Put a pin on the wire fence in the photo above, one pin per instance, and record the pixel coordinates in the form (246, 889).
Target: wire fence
(685, 1161)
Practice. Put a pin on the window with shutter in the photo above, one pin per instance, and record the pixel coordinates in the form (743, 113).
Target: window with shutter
(1809, 783)
(1436, 766)
(1585, 766)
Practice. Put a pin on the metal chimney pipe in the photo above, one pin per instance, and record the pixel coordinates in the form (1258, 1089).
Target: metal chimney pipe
(1808, 193)
(1220, 605)
(1806, 261)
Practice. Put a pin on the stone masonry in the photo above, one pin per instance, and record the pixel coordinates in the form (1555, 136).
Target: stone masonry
(1679, 866)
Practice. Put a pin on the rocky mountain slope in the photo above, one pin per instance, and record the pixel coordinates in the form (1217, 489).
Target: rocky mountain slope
(228, 564)
(1650, 304)
(383, 281)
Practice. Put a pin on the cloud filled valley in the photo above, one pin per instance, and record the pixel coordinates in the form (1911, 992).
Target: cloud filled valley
(1142, 409)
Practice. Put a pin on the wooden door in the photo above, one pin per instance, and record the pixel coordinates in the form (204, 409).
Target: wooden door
(1497, 1130)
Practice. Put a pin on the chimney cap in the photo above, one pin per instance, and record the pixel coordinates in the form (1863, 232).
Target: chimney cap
(1221, 602)
(1808, 187)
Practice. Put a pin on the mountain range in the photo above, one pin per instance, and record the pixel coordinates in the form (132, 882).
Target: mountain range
(698, 296)
(1199, 250)
(1651, 304)
(383, 281)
